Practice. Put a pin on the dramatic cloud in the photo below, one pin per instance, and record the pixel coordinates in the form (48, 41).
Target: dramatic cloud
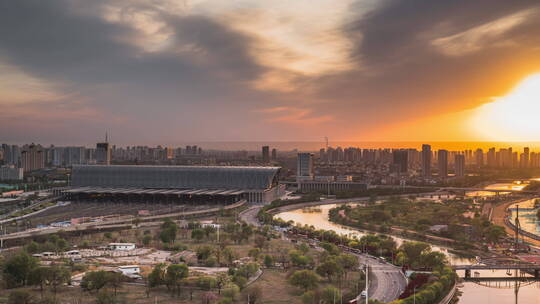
(166, 71)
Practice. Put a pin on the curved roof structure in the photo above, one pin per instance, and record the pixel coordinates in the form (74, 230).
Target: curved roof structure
(175, 177)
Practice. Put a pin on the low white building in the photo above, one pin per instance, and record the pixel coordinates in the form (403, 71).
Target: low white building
(121, 246)
(131, 271)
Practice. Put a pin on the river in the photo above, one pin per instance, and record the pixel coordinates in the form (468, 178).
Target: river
(472, 293)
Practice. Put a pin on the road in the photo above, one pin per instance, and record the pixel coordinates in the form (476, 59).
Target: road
(387, 282)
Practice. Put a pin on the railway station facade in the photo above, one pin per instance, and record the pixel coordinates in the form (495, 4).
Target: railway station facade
(205, 184)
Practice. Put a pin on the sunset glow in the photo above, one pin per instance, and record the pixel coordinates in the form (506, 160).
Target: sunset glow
(513, 117)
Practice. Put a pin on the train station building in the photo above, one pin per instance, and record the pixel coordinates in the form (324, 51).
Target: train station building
(170, 184)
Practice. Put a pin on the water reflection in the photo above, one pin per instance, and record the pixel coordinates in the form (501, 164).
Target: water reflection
(527, 216)
(320, 220)
(497, 291)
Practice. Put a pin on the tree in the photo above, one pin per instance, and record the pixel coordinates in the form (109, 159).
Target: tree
(204, 252)
(208, 297)
(433, 260)
(38, 276)
(229, 255)
(254, 253)
(348, 262)
(305, 279)
(168, 231)
(268, 261)
(20, 297)
(32, 247)
(413, 251)
(252, 294)
(304, 248)
(310, 297)
(17, 269)
(329, 269)
(57, 276)
(260, 241)
(115, 280)
(197, 234)
(146, 239)
(299, 260)
(206, 283)
(494, 233)
(94, 280)
(231, 291)
(174, 276)
(157, 276)
(105, 297)
(330, 295)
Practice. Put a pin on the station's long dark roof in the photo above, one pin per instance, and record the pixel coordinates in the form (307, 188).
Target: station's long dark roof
(174, 177)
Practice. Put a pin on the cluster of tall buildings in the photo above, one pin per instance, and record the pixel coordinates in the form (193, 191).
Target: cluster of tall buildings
(33, 157)
(266, 156)
(431, 163)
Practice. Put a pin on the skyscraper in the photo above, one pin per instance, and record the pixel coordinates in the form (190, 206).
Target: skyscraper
(266, 154)
(400, 159)
(32, 157)
(525, 158)
(442, 162)
(304, 168)
(274, 154)
(103, 152)
(479, 156)
(491, 158)
(459, 164)
(426, 161)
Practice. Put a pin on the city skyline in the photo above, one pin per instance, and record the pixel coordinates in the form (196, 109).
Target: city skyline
(245, 70)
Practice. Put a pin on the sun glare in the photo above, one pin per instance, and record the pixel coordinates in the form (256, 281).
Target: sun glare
(514, 117)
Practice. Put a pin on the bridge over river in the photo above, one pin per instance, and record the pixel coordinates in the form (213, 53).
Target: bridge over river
(533, 269)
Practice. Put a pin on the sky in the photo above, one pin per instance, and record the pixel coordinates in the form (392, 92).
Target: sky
(169, 71)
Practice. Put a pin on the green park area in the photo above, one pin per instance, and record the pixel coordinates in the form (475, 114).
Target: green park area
(458, 221)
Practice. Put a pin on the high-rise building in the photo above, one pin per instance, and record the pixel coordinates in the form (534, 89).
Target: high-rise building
(304, 169)
(442, 162)
(266, 154)
(274, 154)
(491, 158)
(525, 158)
(32, 157)
(400, 160)
(479, 156)
(426, 161)
(11, 173)
(103, 152)
(459, 165)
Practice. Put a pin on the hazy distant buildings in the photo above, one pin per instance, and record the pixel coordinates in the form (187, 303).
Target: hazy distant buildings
(11, 155)
(479, 157)
(274, 154)
(103, 153)
(426, 161)
(400, 161)
(442, 163)
(32, 157)
(459, 165)
(266, 154)
(11, 173)
(524, 159)
(491, 158)
(304, 169)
